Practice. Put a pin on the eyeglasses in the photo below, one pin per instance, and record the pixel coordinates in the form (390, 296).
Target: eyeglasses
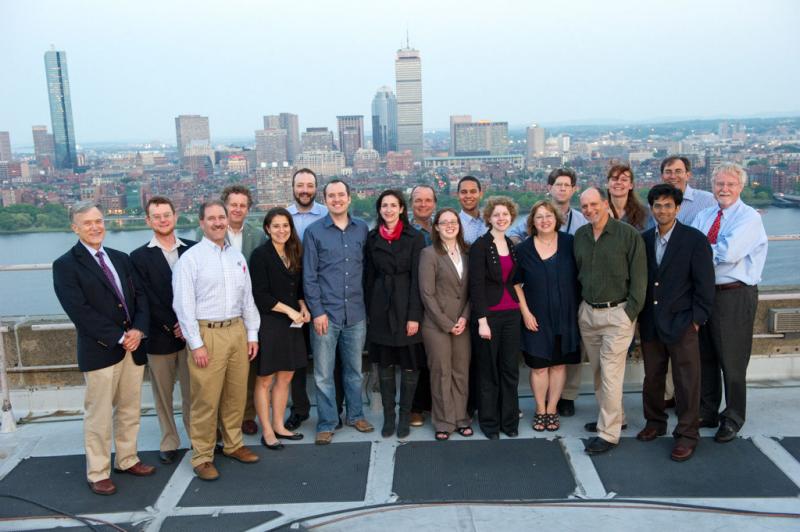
(676, 173)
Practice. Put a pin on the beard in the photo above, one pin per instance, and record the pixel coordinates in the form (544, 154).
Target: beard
(304, 201)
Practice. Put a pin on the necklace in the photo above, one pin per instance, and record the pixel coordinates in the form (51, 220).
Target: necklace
(547, 243)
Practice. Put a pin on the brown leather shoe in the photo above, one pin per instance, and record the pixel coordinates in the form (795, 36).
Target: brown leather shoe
(649, 434)
(417, 419)
(206, 471)
(249, 427)
(103, 487)
(244, 455)
(138, 469)
(362, 425)
(323, 438)
(681, 453)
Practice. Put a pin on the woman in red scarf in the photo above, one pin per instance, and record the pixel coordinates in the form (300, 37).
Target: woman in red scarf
(394, 308)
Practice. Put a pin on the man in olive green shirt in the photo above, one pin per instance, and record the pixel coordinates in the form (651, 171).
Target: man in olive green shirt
(612, 270)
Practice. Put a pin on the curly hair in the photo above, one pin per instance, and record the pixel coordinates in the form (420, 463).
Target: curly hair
(547, 206)
(494, 201)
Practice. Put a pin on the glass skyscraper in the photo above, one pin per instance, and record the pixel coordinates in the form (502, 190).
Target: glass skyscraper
(384, 121)
(408, 76)
(55, 63)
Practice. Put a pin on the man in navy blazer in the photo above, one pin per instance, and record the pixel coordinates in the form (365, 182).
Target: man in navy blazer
(102, 295)
(166, 347)
(680, 294)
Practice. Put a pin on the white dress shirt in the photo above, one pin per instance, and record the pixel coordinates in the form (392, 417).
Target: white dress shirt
(213, 283)
(170, 254)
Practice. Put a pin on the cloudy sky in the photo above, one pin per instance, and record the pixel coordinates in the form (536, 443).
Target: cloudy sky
(135, 65)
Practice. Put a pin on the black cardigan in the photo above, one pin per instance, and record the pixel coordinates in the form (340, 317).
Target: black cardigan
(486, 275)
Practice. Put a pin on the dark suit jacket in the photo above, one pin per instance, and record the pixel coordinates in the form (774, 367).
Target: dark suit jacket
(91, 303)
(486, 275)
(156, 276)
(680, 290)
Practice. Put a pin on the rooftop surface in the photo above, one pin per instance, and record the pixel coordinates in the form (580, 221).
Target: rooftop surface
(366, 482)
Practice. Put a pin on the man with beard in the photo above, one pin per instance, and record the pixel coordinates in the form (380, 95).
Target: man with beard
(166, 354)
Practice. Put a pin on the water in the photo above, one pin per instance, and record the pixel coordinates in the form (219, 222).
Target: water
(23, 293)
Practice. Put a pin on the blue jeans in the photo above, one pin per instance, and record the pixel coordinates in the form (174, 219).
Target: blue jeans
(351, 345)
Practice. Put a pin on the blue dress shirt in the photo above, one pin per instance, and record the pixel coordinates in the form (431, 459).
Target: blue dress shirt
(303, 219)
(474, 228)
(694, 201)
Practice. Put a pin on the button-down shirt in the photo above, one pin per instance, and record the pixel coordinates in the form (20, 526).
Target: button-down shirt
(741, 248)
(474, 228)
(425, 233)
(694, 201)
(303, 219)
(170, 254)
(213, 283)
(236, 238)
(333, 270)
(661, 243)
(613, 267)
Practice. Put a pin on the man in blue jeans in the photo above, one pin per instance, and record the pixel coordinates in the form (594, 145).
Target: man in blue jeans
(333, 258)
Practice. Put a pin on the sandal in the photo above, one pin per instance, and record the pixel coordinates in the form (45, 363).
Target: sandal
(553, 422)
(539, 422)
(442, 435)
(465, 431)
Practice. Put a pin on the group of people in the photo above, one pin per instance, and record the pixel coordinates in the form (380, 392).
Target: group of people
(448, 299)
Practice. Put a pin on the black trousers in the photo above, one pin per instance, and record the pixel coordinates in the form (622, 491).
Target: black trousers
(726, 342)
(300, 402)
(498, 373)
(685, 357)
(422, 397)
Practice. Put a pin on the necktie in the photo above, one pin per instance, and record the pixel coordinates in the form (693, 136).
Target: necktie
(713, 233)
(110, 276)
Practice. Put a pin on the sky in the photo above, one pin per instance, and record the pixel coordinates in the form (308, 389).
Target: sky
(135, 65)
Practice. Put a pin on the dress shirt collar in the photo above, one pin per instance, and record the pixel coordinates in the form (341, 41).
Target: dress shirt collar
(155, 243)
(316, 209)
(93, 252)
(328, 220)
(464, 213)
(688, 194)
(212, 245)
(664, 239)
(730, 211)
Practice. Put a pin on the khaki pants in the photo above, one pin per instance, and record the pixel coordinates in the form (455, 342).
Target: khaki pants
(218, 390)
(113, 396)
(572, 385)
(607, 333)
(163, 371)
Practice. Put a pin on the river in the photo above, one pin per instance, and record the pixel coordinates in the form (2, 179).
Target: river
(31, 292)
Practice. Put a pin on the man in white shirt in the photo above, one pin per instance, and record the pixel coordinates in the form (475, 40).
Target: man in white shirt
(219, 319)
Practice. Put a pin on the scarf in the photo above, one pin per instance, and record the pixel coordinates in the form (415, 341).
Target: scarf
(391, 236)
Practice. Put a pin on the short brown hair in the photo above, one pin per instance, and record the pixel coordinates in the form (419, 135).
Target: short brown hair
(158, 200)
(237, 189)
(548, 206)
(493, 202)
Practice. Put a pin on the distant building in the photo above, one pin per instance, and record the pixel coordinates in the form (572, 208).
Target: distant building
(288, 122)
(43, 146)
(401, 163)
(323, 163)
(273, 186)
(193, 136)
(351, 135)
(408, 79)
(55, 63)
(480, 138)
(456, 119)
(237, 164)
(271, 146)
(384, 121)
(317, 139)
(535, 138)
(5, 146)
(473, 162)
(272, 122)
(366, 161)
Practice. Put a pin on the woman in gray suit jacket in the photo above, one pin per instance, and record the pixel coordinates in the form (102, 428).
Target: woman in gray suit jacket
(444, 288)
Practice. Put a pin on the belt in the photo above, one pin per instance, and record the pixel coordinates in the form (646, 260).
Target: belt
(218, 324)
(608, 304)
(730, 286)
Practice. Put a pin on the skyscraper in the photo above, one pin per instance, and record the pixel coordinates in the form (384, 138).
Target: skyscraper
(384, 121)
(193, 136)
(271, 146)
(408, 76)
(55, 63)
(288, 122)
(479, 138)
(5, 146)
(317, 139)
(351, 135)
(456, 119)
(535, 139)
(43, 145)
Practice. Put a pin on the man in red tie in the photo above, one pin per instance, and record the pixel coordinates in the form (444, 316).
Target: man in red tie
(101, 293)
(739, 245)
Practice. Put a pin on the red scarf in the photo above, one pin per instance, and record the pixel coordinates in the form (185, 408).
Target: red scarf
(391, 236)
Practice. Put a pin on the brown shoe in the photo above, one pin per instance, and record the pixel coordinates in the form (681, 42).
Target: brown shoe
(649, 434)
(362, 425)
(206, 471)
(103, 487)
(417, 419)
(249, 427)
(138, 469)
(681, 453)
(323, 438)
(244, 455)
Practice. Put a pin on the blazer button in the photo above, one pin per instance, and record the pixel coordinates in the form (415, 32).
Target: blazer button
(119, 305)
(655, 302)
(656, 283)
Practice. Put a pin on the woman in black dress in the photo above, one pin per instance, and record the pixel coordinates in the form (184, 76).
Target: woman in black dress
(394, 307)
(547, 287)
(276, 272)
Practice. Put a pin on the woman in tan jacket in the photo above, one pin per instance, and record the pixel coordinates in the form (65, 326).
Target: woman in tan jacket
(444, 288)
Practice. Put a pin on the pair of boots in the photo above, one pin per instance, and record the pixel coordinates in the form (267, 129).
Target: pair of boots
(408, 385)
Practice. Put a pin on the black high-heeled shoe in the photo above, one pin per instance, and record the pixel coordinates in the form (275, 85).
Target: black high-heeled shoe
(278, 446)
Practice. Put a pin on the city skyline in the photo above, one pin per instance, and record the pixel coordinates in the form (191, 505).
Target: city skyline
(502, 62)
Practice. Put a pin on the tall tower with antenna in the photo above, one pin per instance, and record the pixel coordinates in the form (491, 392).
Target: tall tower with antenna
(408, 79)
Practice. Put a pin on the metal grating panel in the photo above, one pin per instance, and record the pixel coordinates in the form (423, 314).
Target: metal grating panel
(784, 320)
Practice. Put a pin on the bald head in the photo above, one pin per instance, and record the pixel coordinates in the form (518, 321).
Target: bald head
(594, 206)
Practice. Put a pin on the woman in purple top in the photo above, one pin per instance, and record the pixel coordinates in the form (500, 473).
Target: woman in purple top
(495, 308)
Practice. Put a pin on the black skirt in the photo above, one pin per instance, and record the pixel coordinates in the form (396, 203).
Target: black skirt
(280, 347)
(556, 359)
